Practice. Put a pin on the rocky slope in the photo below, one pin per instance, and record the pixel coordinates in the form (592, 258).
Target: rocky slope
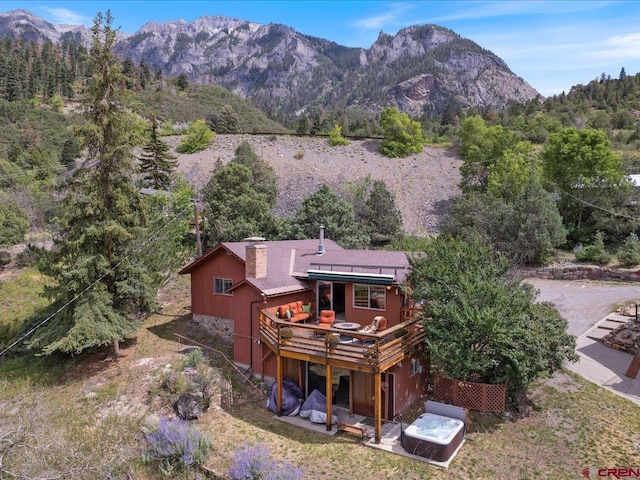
(421, 70)
(421, 184)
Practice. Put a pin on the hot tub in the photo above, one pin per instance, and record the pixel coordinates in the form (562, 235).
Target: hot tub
(434, 436)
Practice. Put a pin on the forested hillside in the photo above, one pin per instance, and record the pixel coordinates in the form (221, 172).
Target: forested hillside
(44, 84)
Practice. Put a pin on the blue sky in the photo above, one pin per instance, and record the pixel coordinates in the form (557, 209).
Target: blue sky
(553, 45)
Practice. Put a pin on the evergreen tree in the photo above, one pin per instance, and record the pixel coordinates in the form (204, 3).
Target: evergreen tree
(264, 179)
(382, 219)
(304, 125)
(70, 152)
(13, 223)
(233, 209)
(156, 163)
(182, 82)
(99, 285)
(224, 121)
(533, 229)
(324, 207)
(629, 253)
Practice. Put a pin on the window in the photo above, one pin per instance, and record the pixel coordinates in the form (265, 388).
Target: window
(221, 285)
(415, 367)
(369, 296)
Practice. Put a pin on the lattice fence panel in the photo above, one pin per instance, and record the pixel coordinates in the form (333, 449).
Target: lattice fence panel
(482, 397)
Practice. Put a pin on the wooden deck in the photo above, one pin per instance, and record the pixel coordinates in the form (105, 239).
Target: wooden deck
(373, 353)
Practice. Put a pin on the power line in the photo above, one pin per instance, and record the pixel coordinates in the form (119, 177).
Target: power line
(95, 282)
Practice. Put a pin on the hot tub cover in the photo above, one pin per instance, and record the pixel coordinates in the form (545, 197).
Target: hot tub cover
(434, 428)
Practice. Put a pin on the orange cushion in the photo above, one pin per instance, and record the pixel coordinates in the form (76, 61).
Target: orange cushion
(282, 311)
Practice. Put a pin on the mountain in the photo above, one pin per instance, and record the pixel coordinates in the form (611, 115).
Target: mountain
(29, 27)
(420, 70)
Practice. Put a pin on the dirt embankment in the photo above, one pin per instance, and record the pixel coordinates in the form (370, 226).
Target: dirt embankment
(421, 184)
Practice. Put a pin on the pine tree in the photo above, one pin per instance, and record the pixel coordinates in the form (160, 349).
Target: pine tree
(382, 219)
(156, 163)
(264, 179)
(99, 284)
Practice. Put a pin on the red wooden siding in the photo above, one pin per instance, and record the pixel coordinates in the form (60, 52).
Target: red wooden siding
(203, 300)
(364, 316)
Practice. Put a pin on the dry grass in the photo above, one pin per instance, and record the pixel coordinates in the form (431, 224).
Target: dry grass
(84, 422)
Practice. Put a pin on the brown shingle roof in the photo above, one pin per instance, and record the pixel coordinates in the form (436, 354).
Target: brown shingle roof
(288, 263)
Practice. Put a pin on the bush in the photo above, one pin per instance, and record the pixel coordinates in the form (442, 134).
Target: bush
(336, 138)
(253, 463)
(198, 137)
(594, 253)
(629, 252)
(175, 445)
(194, 358)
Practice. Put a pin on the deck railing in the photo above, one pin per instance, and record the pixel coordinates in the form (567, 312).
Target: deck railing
(370, 352)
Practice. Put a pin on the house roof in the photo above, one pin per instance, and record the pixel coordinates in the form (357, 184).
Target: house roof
(289, 263)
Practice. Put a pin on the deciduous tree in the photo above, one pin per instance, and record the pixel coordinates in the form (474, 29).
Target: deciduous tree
(197, 138)
(582, 168)
(402, 136)
(482, 324)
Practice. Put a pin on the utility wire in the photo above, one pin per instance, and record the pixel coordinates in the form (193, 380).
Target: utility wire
(95, 282)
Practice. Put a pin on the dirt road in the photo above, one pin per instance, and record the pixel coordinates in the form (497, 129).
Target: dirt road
(583, 303)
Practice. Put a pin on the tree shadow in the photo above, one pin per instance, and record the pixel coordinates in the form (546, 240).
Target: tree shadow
(371, 145)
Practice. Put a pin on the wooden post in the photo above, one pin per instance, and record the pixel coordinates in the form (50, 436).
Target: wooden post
(377, 406)
(198, 239)
(279, 376)
(632, 371)
(329, 391)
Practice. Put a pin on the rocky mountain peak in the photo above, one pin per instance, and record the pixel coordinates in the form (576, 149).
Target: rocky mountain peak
(421, 70)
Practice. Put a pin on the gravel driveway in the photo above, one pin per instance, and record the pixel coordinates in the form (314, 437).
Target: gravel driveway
(583, 303)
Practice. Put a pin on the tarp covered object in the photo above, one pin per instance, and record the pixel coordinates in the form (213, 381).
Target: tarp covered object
(315, 408)
(291, 397)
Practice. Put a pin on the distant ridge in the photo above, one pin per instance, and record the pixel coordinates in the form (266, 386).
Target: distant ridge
(422, 70)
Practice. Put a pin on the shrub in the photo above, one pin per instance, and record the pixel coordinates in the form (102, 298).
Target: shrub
(629, 252)
(175, 444)
(594, 253)
(254, 463)
(299, 155)
(194, 358)
(336, 138)
(198, 137)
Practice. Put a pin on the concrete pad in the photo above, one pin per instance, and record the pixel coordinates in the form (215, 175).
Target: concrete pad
(605, 366)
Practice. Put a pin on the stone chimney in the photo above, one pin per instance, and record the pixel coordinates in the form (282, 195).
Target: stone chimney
(256, 258)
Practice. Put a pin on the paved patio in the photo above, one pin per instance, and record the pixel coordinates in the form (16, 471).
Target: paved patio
(390, 441)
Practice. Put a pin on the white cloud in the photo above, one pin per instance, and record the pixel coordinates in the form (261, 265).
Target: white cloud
(619, 46)
(493, 9)
(67, 17)
(389, 19)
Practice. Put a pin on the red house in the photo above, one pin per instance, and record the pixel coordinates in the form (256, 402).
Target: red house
(353, 332)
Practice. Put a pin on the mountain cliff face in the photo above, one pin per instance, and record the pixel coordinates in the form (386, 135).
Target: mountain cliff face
(421, 69)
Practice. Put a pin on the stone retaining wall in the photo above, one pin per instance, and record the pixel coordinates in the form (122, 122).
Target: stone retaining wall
(215, 325)
(583, 272)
